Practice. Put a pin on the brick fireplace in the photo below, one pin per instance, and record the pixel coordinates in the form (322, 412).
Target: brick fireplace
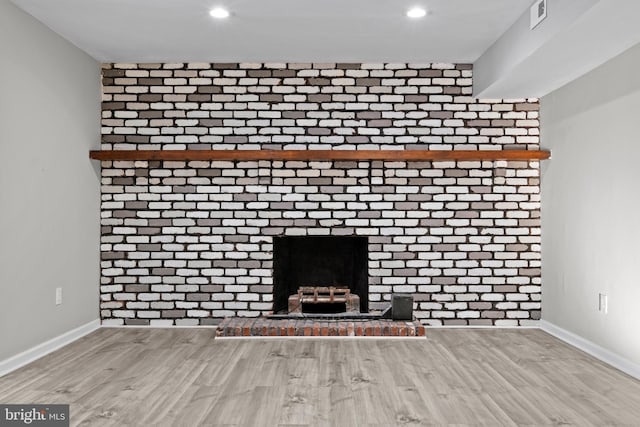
(190, 242)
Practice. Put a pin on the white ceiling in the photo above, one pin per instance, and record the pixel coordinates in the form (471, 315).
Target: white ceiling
(576, 37)
(279, 30)
(510, 60)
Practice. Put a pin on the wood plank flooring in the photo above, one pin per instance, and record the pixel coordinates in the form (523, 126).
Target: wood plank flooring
(461, 377)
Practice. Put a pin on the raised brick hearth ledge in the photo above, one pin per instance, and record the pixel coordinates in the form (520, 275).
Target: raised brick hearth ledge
(264, 327)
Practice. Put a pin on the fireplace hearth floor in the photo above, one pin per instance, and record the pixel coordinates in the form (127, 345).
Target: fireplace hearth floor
(265, 327)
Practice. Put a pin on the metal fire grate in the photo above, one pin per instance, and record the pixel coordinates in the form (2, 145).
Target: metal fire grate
(324, 295)
(314, 295)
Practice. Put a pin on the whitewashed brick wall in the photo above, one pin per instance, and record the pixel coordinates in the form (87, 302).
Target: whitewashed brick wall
(189, 242)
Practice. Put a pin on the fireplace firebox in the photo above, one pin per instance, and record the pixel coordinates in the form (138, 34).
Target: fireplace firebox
(319, 261)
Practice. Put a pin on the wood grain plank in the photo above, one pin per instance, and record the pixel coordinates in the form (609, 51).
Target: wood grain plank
(305, 155)
(131, 377)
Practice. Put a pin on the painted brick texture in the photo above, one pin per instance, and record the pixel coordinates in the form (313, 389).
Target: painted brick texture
(186, 243)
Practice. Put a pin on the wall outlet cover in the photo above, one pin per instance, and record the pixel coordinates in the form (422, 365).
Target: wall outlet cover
(603, 303)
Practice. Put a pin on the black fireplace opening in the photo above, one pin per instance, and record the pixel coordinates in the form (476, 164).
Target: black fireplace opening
(339, 261)
(324, 308)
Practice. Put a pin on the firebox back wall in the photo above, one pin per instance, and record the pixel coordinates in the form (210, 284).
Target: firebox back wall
(187, 243)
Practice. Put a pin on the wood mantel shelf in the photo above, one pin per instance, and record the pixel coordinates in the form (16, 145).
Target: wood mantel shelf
(306, 155)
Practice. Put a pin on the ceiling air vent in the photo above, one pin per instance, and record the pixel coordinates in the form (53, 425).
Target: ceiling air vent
(538, 13)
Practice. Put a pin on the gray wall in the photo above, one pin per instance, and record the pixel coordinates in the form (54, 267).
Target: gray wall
(49, 190)
(591, 205)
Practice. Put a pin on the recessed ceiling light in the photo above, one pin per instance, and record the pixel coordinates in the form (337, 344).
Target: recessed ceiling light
(219, 13)
(416, 12)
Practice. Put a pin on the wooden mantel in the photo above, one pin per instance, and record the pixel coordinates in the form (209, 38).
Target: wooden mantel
(305, 155)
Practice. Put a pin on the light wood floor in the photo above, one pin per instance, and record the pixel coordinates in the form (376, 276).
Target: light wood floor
(183, 377)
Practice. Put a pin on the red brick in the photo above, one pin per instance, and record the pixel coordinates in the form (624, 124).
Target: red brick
(304, 327)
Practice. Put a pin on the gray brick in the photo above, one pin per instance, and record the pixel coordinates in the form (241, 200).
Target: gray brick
(478, 223)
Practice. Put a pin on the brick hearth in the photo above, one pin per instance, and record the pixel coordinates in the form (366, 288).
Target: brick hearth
(264, 327)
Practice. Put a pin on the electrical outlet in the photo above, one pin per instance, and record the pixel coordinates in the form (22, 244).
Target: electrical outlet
(58, 296)
(603, 303)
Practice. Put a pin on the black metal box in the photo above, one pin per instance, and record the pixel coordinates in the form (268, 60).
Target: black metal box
(402, 307)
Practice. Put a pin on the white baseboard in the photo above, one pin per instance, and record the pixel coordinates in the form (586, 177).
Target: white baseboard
(607, 356)
(34, 353)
